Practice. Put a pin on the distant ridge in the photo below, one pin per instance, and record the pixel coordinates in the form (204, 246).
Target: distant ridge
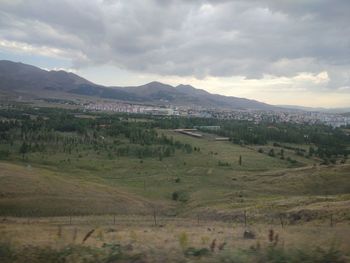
(27, 80)
(318, 109)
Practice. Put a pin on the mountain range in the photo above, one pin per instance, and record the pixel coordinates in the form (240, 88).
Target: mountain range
(23, 80)
(18, 79)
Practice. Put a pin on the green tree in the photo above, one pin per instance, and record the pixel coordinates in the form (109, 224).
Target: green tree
(282, 154)
(23, 149)
(272, 153)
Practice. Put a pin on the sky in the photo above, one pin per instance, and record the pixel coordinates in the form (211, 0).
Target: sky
(284, 52)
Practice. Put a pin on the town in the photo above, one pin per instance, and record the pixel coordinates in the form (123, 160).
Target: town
(256, 116)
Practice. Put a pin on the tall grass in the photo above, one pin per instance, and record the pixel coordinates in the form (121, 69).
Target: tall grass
(67, 254)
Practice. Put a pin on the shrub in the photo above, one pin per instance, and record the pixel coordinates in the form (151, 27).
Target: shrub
(196, 252)
(7, 255)
(180, 196)
(220, 163)
(175, 196)
(4, 154)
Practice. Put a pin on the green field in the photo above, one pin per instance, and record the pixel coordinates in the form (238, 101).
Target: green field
(47, 184)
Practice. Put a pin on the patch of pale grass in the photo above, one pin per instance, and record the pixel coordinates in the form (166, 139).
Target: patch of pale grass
(171, 240)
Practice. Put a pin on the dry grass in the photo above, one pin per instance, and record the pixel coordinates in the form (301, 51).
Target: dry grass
(28, 191)
(167, 242)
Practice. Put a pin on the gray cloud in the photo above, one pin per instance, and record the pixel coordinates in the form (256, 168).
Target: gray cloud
(191, 38)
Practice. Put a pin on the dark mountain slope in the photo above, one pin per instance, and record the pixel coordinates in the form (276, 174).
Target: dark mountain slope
(19, 78)
(29, 78)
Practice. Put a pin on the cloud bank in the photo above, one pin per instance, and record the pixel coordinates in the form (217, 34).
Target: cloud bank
(253, 39)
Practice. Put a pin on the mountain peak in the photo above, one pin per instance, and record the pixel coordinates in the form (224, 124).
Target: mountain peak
(188, 89)
(184, 86)
(157, 85)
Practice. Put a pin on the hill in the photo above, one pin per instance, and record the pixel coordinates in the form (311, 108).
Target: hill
(25, 189)
(97, 186)
(102, 164)
(26, 80)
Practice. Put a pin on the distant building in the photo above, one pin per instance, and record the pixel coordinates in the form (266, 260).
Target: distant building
(209, 128)
(189, 132)
(222, 139)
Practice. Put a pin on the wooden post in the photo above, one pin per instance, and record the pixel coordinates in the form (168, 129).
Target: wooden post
(281, 220)
(331, 220)
(245, 218)
(155, 217)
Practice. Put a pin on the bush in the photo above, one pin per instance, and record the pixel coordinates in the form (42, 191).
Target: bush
(7, 254)
(180, 196)
(220, 163)
(175, 196)
(196, 252)
(4, 154)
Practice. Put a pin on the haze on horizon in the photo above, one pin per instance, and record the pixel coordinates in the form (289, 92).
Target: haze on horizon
(290, 52)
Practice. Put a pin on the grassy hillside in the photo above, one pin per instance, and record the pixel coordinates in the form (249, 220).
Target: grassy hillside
(87, 187)
(208, 183)
(32, 191)
(64, 162)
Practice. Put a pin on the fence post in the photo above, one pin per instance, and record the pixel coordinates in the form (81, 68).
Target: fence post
(331, 220)
(281, 220)
(245, 218)
(155, 217)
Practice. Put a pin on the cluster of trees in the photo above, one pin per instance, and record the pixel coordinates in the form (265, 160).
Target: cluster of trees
(56, 130)
(121, 135)
(327, 142)
(279, 154)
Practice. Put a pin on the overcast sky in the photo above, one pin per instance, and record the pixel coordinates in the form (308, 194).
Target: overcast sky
(276, 51)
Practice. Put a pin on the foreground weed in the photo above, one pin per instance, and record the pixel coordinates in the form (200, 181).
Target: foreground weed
(183, 240)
